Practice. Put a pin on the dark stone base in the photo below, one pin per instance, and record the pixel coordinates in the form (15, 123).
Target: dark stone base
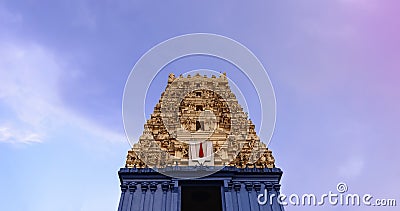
(228, 189)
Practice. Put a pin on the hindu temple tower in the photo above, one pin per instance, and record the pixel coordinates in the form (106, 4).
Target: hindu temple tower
(199, 151)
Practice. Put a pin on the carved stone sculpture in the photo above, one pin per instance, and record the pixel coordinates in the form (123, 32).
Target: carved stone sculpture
(194, 110)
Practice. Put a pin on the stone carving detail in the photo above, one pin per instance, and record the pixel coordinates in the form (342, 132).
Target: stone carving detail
(193, 110)
(132, 160)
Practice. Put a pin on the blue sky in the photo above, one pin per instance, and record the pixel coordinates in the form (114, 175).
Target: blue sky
(63, 66)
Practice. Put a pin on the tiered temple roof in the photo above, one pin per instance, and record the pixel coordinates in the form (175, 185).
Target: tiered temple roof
(199, 113)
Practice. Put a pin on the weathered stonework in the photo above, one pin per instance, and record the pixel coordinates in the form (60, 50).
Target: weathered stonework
(198, 113)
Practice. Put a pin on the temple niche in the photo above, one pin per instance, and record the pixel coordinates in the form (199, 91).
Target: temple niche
(198, 121)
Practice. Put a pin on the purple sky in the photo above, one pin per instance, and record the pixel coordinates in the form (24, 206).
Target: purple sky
(334, 65)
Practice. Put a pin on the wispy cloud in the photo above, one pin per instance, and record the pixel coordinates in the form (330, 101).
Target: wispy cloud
(29, 96)
(9, 135)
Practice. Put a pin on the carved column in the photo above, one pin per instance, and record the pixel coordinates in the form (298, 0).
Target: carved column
(132, 189)
(228, 195)
(249, 189)
(153, 188)
(124, 187)
(144, 186)
(237, 186)
(277, 188)
(257, 188)
(174, 195)
(270, 191)
(164, 187)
